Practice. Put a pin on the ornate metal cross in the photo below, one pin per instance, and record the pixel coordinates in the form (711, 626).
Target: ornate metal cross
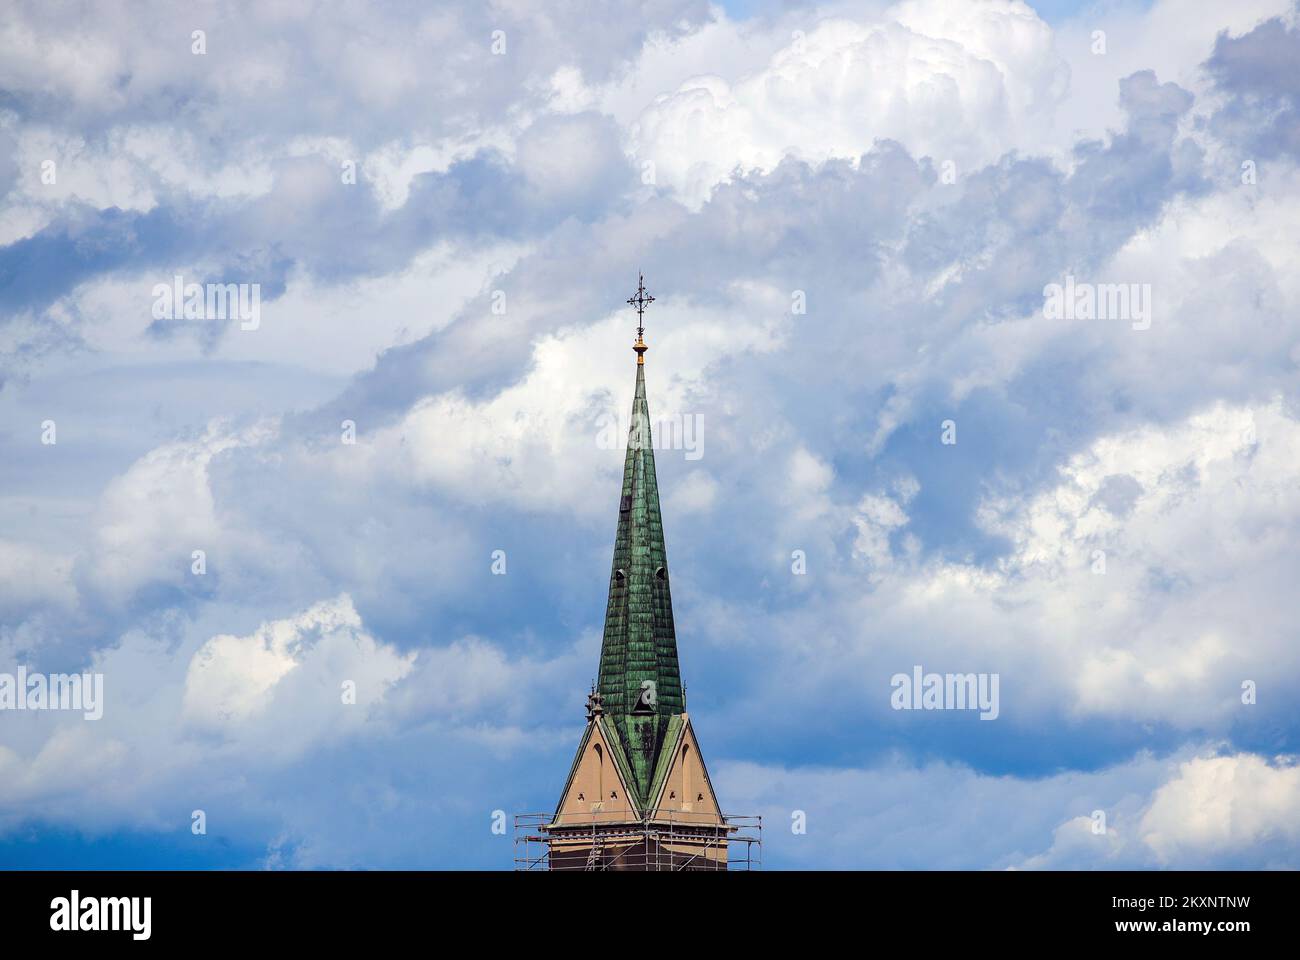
(640, 301)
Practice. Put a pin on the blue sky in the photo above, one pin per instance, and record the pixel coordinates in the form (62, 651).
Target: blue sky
(849, 214)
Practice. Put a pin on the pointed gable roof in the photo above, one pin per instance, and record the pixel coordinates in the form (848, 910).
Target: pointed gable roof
(603, 728)
(680, 732)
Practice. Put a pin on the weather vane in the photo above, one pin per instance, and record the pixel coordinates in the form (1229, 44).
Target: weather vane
(640, 301)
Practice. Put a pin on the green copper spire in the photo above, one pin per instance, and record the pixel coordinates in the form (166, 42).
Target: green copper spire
(640, 681)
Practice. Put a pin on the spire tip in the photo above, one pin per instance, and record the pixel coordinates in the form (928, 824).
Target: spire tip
(640, 301)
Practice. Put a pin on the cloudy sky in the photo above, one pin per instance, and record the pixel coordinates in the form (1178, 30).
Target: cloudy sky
(849, 214)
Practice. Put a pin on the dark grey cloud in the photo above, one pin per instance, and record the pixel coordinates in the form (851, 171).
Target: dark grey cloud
(311, 219)
(1258, 72)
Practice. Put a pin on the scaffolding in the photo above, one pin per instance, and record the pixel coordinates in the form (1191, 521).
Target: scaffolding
(676, 840)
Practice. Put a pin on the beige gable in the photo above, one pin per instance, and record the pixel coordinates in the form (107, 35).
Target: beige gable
(597, 792)
(687, 794)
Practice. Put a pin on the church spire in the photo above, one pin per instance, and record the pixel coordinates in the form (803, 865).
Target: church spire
(638, 794)
(640, 681)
